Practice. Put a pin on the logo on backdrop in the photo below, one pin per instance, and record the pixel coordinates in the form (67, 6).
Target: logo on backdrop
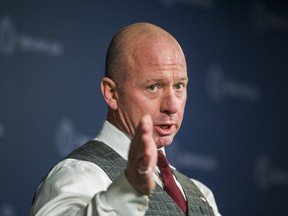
(68, 138)
(2, 130)
(266, 175)
(220, 87)
(7, 210)
(206, 4)
(7, 36)
(11, 40)
(262, 19)
(188, 160)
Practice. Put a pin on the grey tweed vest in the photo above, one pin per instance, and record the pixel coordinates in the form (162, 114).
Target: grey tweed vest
(160, 203)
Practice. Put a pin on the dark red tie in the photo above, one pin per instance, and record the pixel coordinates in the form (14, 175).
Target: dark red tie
(169, 184)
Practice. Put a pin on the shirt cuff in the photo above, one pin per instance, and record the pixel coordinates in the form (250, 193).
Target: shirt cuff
(123, 198)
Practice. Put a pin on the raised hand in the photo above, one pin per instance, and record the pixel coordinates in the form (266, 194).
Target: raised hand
(142, 157)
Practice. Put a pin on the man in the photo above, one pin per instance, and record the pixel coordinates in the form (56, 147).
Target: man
(144, 87)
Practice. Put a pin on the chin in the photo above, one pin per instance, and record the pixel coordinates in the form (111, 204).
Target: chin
(163, 141)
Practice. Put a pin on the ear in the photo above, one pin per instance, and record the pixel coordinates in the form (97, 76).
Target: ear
(109, 92)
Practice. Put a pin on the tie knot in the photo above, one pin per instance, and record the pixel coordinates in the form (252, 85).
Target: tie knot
(162, 160)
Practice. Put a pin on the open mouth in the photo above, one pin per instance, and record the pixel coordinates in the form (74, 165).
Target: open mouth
(165, 127)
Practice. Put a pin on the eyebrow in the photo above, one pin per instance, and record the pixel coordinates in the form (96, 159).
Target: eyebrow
(161, 80)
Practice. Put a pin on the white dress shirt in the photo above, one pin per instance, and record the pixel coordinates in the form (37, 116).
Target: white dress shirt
(75, 187)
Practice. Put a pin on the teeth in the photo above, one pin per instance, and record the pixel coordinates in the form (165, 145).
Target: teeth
(164, 127)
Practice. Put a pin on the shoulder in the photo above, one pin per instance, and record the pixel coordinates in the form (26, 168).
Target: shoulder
(74, 167)
(207, 192)
(76, 174)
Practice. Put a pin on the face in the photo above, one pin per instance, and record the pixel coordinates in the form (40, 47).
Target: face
(156, 85)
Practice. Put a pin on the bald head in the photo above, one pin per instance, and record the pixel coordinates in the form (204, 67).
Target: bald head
(132, 39)
(146, 73)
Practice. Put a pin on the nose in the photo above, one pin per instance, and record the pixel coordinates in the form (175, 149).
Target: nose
(169, 103)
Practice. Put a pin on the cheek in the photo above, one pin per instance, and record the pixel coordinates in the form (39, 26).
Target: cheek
(140, 104)
(181, 112)
(135, 107)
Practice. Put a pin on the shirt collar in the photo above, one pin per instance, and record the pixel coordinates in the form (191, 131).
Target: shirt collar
(117, 140)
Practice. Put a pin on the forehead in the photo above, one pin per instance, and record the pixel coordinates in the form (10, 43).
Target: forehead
(158, 74)
(161, 56)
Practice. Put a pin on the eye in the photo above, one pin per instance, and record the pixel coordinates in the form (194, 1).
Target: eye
(179, 86)
(152, 88)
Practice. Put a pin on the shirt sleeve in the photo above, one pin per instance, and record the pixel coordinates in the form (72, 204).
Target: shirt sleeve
(80, 188)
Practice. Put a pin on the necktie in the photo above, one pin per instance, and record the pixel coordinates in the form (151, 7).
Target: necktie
(169, 183)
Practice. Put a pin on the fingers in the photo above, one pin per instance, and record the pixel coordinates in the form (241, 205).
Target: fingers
(142, 157)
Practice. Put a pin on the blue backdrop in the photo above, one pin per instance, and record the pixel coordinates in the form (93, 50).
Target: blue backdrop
(234, 136)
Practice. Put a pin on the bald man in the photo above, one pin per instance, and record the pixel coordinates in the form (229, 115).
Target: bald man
(145, 88)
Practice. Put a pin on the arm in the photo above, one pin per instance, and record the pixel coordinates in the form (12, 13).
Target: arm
(82, 188)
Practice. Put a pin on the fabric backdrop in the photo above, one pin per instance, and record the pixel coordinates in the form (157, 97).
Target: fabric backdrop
(234, 135)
